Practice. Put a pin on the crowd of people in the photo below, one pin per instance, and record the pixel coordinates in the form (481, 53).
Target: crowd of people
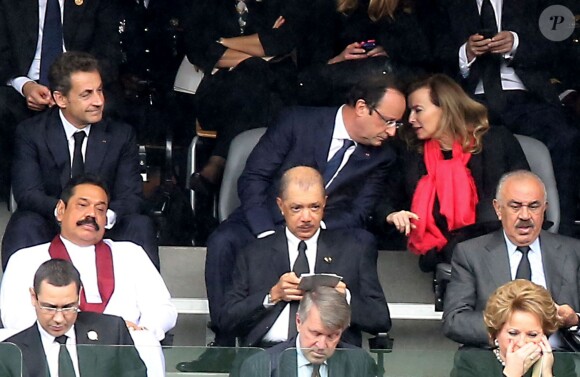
(383, 117)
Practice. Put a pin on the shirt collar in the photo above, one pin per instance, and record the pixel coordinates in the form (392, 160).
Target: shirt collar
(48, 339)
(512, 249)
(69, 129)
(340, 131)
(72, 247)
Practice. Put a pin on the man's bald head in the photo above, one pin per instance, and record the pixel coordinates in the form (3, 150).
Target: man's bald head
(304, 177)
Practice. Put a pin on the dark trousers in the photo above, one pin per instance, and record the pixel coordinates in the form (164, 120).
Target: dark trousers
(222, 247)
(27, 228)
(528, 115)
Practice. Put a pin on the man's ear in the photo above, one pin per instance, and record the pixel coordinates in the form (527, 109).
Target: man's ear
(279, 202)
(60, 207)
(497, 208)
(32, 296)
(361, 108)
(60, 99)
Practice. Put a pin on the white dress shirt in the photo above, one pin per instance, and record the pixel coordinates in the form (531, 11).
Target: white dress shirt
(70, 130)
(34, 70)
(534, 256)
(509, 79)
(339, 135)
(52, 349)
(140, 294)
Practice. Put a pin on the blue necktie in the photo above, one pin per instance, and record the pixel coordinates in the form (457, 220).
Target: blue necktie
(334, 163)
(51, 39)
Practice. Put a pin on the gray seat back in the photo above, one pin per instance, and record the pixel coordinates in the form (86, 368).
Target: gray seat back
(240, 149)
(540, 162)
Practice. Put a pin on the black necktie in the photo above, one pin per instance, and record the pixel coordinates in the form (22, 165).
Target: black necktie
(524, 269)
(78, 165)
(65, 365)
(300, 267)
(51, 39)
(315, 370)
(333, 164)
(491, 63)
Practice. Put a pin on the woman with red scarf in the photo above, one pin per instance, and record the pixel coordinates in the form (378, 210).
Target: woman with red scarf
(452, 165)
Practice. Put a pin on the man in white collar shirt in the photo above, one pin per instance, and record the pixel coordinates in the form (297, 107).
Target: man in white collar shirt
(70, 139)
(118, 277)
(521, 250)
(317, 350)
(49, 345)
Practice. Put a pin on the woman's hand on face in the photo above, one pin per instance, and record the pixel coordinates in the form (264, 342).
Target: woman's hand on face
(353, 51)
(402, 221)
(547, 357)
(518, 362)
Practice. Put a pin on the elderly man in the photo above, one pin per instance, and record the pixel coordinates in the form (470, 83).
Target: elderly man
(59, 327)
(521, 250)
(322, 317)
(344, 144)
(261, 307)
(118, 277)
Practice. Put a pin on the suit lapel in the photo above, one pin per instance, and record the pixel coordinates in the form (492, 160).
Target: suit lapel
(355, 163)
(58, 146)
(87, 353)
(27, 12)
(34, 358)
(553, 262)
(97, 145)
(324, 254)
(324, 133)
(279, 260)
(498, 261)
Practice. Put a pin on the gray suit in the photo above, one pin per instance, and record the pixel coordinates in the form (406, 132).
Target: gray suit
(481, 265)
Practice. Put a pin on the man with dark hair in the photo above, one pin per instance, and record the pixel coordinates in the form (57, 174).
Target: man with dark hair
(59, 327)
(68, 140)
(32, 35)
(344, 144)
(117, 277)
(260, 308)
(322, 317)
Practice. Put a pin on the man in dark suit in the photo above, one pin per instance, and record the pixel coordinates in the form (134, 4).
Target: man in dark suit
(59, 327)
(25, 36)
(500, 55)
(345, 145)
(48, 152)
(520, 250)
(317, 350)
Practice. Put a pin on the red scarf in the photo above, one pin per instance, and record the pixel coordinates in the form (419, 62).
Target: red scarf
(452, 183)
(105, 274)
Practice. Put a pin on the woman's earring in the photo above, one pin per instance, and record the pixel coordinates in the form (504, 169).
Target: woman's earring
(496, 343)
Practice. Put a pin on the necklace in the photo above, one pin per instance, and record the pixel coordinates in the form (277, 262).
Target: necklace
(242, 10)
(498, 356)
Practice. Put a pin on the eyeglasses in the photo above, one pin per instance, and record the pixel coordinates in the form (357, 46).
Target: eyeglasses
(533, 207)
(52, 310)
(389, 122)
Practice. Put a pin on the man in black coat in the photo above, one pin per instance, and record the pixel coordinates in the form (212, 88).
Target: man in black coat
(59, 327)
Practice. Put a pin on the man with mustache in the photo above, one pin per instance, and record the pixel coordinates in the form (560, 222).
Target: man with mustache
(117, 277)
(260, 308)
(67, 140)
(521, 250)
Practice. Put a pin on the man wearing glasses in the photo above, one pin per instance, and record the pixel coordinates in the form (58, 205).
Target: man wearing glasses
(59, 327)
(344, 144)
(520, 250)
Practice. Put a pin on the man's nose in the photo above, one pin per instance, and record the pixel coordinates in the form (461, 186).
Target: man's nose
(305, 215)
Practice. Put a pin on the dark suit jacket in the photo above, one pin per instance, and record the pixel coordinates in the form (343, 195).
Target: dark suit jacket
(260, 265)
(475, 362)
(459, 19)
(281, 361)
(41, 165)
(302, 136)
(481, 265)
(93, 361)
(90, 27)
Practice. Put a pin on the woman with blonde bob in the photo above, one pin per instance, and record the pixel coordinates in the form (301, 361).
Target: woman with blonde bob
(519, 316)
(451, 167)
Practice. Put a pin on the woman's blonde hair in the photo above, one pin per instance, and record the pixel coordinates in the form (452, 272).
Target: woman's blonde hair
(462, 117)
(520, 296)
(378, 9)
